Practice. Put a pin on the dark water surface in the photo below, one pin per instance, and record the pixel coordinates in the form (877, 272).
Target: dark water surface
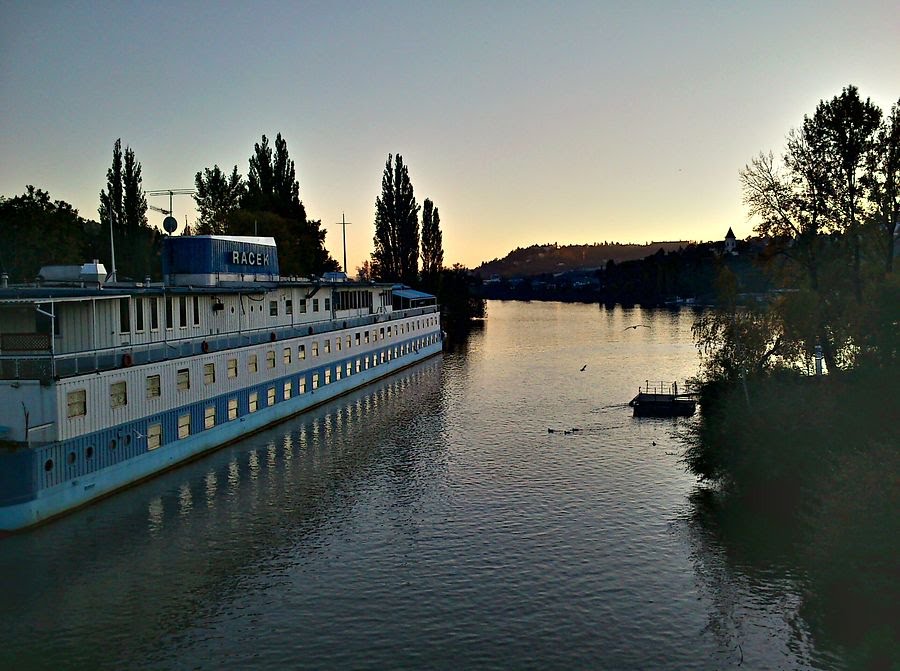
(427, 521)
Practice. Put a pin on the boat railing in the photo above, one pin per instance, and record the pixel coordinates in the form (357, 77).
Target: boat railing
(43, 364)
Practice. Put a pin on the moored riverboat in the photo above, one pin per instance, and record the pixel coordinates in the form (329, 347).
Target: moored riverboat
(103, 384)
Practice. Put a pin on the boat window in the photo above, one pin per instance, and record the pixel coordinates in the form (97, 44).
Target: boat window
(301, 352)
(118, 394)
(302, 305)
(287, 355)
(327, 345)
(183, 379)
(154, 436)
(154, 314)
(209, 417)
(287, 390)
(301, 385)
(232, 408)
(124, 320)
(182, 311)
(232, 368)
(315, 381)
(315, 306)
(184, 426)
(288, 307)
(253, 401)
(270, 396)
(273, 308)
(209, 373)
(196, 315)
(170, 320)
(76, 403)
(327, 304)
(315, 348)
(270, 358)
(139, 314)
(153, 390)
(251, 363)
(327, 376)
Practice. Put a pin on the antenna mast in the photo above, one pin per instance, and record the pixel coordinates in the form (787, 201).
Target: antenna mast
(343, 223)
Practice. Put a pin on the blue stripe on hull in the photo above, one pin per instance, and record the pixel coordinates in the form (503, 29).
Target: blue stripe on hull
(34, 494)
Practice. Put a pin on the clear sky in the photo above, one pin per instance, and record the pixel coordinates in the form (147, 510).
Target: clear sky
(525, 122)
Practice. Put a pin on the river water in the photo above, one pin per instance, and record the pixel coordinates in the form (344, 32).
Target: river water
(429, 521)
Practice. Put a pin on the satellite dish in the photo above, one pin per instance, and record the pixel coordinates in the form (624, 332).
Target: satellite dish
(170, 223)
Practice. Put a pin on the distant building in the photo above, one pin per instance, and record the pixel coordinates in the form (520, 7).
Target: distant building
(730, 242)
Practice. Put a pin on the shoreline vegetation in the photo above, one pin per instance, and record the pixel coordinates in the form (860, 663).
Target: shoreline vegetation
(814, 458)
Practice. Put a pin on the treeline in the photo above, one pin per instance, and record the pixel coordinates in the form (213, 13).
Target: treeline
(818, 453)
(686, 273)
(39, 231)
(555, 258)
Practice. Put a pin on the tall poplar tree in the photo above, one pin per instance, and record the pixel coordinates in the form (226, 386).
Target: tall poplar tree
(271, 206)
(124, 205)
(432, 244)
(396, 241)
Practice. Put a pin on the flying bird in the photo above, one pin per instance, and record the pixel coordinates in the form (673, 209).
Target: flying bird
(583, 367)
(636, 326)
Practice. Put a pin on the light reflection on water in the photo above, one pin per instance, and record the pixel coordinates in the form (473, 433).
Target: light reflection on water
(428, 521)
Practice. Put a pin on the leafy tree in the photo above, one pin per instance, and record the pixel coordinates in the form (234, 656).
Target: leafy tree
(38, 231)
(124, 205)
(272, 189)
(218, 195)
(849, 126)
(396, 225)
(432, 244)
(883, 181)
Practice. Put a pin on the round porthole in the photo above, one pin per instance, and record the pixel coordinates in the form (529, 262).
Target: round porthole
(71, 458)
(89, 453)
(48, 465)
(112, 444)
(128, 439)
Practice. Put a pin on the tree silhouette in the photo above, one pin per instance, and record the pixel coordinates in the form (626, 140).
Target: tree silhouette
(396, 241)
(218, 195)
(432, 242)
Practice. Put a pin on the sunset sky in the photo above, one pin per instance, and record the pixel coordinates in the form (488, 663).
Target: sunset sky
(525, 122)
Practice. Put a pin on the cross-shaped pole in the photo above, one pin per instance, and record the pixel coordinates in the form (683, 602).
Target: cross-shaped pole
(343, 224)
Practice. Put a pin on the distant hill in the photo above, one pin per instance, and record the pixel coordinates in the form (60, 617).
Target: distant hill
(553, 258)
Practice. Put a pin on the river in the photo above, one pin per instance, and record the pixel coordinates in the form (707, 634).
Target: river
(429, 521)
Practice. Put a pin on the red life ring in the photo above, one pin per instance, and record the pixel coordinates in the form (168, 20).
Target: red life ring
(272, 336)
(127, 360)
(204, 346)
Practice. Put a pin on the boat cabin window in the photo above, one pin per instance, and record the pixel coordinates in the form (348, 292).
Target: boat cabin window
(139, 314)
(124, 321)
(182, 311)
(253, 401)
(302, 305)
(170, 320)
(76, 403)
(184, 426)
(154, 314)
(154, 436)
(232, 408)
(209, 417)
(270, 359)
(232, 368)
(118, 394)
(251, 363)
(315, 307)
(153, 386)
(183, 379)
(273, 308)
(209, 373)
